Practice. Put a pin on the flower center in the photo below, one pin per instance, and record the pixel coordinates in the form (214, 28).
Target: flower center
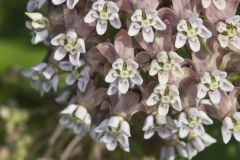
(193, 122)
(69, 46)
(213, 86)
(124, 73)
(146, 23)
(192, 32)
(166, 99)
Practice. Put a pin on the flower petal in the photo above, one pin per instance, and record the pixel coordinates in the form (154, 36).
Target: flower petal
(101, 27)
(180, 40)
(123, 86)
(148, 34)
(214, 96)
(59, 54)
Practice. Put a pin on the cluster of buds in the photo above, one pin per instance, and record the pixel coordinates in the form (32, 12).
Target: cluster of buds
(181, 72)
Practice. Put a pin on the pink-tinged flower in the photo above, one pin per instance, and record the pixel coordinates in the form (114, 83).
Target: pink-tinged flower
(102, 12)
(70, 3)
(146, 20)
(112, 131)
(69, 43)
(192, 122)
(167, 64)
(197, 143)
(39, 26)
(79, 75)
(231, 126)
(44, 77)
(212, 83)
(164, 126)
(220, 4)
(35, 4)
(229, 33)
(122, 76)
(77, 118)
(190, 31)
(165, 96)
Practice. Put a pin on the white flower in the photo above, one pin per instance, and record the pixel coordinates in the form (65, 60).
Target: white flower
(35, 4)
(166, 65)
(229, 32)
(146, 20)
(231, 126)
(39, 26)
(69, 43)
(112, 131)
(211, 83)
(102, 12)
(77, 118)
(192, 122)
(44, 77)
(191, 30)
(78, 74)
(163, 125)
(197, 143)
(122, 76)
(166, 96)
(70, 3)
(220, 4)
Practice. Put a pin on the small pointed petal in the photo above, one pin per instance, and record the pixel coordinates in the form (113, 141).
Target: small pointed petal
(101, 27)
(123, 86)
(214, 96)
(59, 54)
(180, 40)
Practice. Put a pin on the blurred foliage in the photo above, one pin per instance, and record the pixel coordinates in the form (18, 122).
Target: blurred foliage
(28, 122)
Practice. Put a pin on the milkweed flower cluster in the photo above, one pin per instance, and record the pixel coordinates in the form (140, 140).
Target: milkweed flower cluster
(175, 63)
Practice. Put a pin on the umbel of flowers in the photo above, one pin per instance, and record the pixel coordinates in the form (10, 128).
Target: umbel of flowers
(173, 64)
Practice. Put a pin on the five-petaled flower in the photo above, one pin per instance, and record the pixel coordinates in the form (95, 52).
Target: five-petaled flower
(191, 30)
(69, 43)
(70, 3)
(220, 4)
(165, 96)
(39, 26)
(77, 118)
(231, 126)
(112, 131)
(229, 32)
(102, 12)
(146, 20)
(191, 122)
(166, 65)
(212, 83)
(122, 76)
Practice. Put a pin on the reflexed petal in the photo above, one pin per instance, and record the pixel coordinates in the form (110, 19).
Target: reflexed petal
(164, 133)
(207, 139)
(114, 122)
(111, 146)
(54, 82)
(123, 86)
(152, 100)
(168, 153)
(180, 40)
(81, 45)
(149, 133)
(59, 54)
(66, 66)
(226, 135)
(183, 131)
(115, 22)
(202, 91)
(226, 86)
(71, 3)
(182, 151)
(237, 136)
(228, 123)
(221, 27)
(191, 151)
(205, 119)
(91, 16)
(236, 116)
(194, 44)
(206, 3)
(134, 29)
(102, 126)
(34, 16)
(57, 2)
(118, 64)
(148, 34)
(124, 143)
(163, 77)
(206, 78)
(174, 56)
(111, 76)
(82, 84)
(48, 72)
(131, 64)
(137, 16)
(112, 7)
(182, 25)
(64, 120)
(101, 27)
(75, 59)
(177, 105)
(214, 96)
(220, 4)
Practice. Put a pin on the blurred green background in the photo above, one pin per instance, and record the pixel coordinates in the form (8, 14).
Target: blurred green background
(26, 119)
